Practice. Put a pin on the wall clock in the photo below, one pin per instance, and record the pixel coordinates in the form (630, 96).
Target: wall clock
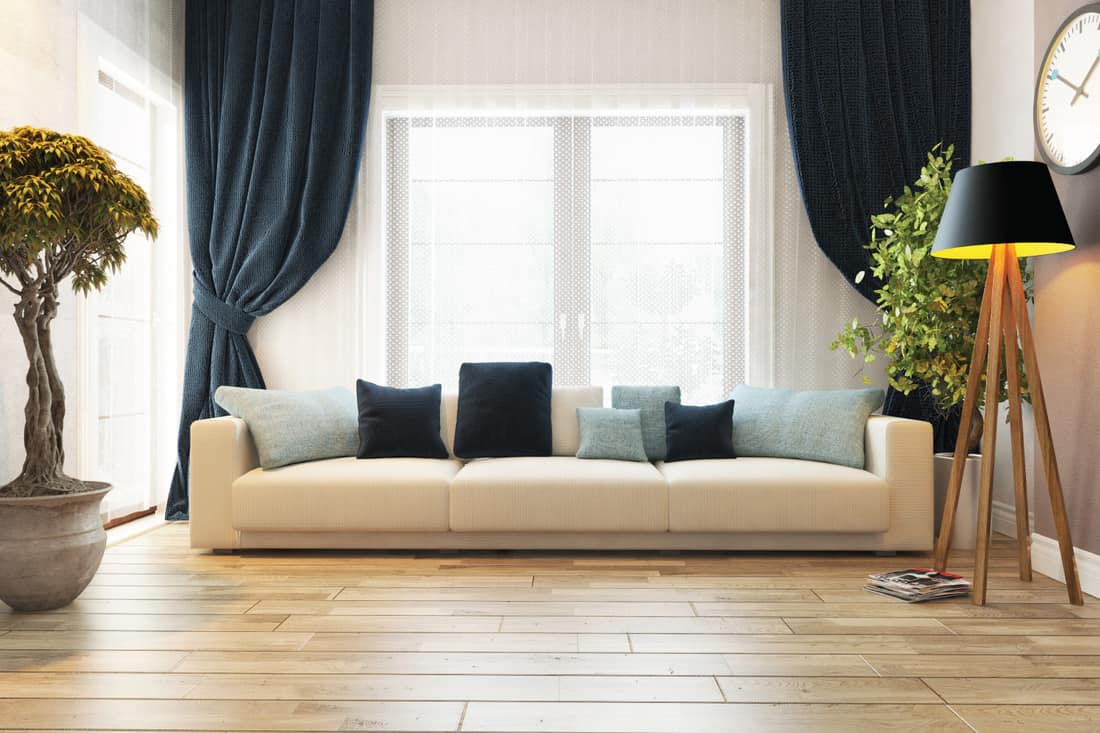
(1067, 94)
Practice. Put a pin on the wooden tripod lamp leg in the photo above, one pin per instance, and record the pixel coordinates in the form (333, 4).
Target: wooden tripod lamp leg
(970, 405)
(1042, 431)
(1016, 427)
(989, 435)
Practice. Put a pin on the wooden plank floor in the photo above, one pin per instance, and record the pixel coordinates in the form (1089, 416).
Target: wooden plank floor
(170, 639)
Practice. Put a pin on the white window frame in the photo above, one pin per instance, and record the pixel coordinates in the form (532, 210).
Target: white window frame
(753, 101)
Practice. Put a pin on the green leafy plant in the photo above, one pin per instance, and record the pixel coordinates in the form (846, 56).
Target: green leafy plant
(65, 213)
(929, 306)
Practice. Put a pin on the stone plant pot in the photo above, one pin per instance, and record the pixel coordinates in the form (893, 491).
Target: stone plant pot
(50, 547)
(964, 536)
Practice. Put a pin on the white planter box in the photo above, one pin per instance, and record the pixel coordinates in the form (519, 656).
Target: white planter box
(964, 534)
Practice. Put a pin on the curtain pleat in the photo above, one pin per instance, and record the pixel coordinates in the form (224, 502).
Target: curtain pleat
(870, 87)
(275, 108)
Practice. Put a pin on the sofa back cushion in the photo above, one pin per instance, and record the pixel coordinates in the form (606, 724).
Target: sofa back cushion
(824, 425)
(563, 414)
(564, 402)
(294, 427)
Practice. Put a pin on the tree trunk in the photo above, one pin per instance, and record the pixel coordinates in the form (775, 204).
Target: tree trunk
(45, 411)
(57, 389)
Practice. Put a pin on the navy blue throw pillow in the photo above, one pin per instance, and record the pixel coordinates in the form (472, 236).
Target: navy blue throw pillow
(503, 409)
(399, 423)
(699, 431)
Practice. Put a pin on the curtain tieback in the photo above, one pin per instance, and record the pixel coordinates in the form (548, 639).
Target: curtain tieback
(220, 313)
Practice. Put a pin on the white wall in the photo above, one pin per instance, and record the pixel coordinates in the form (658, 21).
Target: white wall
(1002, 59)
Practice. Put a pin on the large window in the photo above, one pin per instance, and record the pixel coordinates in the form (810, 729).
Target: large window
(614, 246)
(125, 325)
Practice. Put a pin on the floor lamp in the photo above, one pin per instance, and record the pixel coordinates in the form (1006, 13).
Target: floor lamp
(1000, 212)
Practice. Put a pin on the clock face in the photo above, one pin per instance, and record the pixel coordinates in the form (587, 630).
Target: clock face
(1067, 97)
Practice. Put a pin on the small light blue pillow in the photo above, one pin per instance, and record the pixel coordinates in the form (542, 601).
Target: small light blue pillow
(610, 433)
(294, 427)
(826, 426)
(651, 401)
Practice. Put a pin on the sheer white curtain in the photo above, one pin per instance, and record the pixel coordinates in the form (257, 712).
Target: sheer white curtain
(580, 182)
(604, 228)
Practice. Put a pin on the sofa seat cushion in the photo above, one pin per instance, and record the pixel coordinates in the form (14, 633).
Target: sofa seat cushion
(346, 494)
(774, 495)
(558, 494)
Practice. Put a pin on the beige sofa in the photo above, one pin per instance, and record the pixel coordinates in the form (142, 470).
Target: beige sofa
(561, 501)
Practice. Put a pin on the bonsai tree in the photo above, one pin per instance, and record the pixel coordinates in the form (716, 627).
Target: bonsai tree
(65, 211)
(929, 306)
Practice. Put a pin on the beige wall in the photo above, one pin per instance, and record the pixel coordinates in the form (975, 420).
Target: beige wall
(1001, 97)
(1067, 332)
(1000, 70)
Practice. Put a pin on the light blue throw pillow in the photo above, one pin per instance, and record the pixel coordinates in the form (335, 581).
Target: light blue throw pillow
(826, 426)
(610, 433)
(294, 427)
(651, 401)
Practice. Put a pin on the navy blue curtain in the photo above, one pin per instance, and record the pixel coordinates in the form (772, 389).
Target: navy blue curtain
(870, 86)
(275, 109)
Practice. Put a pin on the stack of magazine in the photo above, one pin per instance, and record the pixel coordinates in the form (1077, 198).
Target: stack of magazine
(918, 584)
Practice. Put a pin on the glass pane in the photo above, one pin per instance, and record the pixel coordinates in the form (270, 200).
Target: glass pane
(482, 211)
(126, 292)
(480, 251)
(683, 151)
(123, 457)
(638, 210)
(122, 367)
(659, 289)
(658, 283)
(479, 283)
(122, 125)
(687, 354)
(482, 150)
(436, 352)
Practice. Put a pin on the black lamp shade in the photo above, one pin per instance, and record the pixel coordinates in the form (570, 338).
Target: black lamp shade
(1002, 203)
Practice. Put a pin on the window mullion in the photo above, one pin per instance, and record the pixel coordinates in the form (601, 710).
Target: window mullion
(582, 247)
(397, 251)
(734, 272)
(571, 238)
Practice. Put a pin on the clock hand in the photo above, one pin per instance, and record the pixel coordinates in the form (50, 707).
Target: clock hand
(1055, 75)
(1088, 76)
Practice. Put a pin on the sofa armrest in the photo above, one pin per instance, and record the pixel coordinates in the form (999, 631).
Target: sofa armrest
(221, 451)
(900, 451)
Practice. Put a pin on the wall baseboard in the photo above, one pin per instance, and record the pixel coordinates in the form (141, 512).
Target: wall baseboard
(1045, 559)
(1004, 518)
